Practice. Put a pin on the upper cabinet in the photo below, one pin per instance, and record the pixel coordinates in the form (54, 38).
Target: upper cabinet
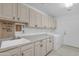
(45, 21)
(14, 12)
(0, 10)
(39, 19)
(33, 20)
(7, 11)
(23, 13)
(50, 22)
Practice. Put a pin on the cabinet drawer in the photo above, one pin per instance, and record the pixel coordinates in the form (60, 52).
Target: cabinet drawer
(25, 47)
(13, 52)
(37, 43)
(29, 52)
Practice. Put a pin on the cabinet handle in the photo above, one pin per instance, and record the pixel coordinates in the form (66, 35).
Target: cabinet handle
(18, 18)
(22, 54)
(13, 17)
(41, 45)
(35, 25)
(50, 41)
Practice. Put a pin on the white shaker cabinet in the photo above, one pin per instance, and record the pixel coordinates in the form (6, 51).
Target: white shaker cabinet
(43, 47)
(13, 52)
(27, 50)
(23, 13)
(7, 11)
(40, 48)
(37, 49)
(0, 10)
(33, 20)
(39, 20)
(49, 44)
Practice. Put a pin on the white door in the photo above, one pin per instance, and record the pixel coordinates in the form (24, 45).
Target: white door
(49, 45)
(39, 20)
(23, 13)
(13, 52)
(0, 9)
(29, 52)
(7, 11)
(43, 47)
(46, 24)
(33, 20)
(38, 49)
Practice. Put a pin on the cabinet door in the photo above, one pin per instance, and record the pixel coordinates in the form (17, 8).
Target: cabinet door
(23, 13)
(43, 47)
(7, 11)
(33, 16)
(38, 51)
(47, 22)
(39, 20)
(15, 11)
(49, 45)
(27, 50)
(0, 9)
(43, 21)
(54, 23)
(13, 52)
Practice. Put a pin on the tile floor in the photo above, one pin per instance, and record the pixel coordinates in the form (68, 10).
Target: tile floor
(65, 51)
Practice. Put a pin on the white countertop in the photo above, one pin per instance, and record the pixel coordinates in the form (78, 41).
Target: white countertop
(15, 42)
(35, 38)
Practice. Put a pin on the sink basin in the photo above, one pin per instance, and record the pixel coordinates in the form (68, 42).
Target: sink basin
(10, 43)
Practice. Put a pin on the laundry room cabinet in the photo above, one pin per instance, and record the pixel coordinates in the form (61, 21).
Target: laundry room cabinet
(23, 13)
(40, 48)
(27, 50)
(13, 52)
(33, 20)
(49, 44)
(7, 11)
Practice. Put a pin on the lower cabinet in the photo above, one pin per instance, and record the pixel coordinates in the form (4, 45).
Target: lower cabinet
(43, 48)
(49, 44)
(27, 50)
(13, 52)
(40, 48)
(37, 49)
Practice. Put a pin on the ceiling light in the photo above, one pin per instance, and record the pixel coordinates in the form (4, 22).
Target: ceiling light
(68, 5)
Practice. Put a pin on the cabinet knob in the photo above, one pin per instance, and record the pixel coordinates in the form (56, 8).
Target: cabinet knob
(41, 45)
(13, 17)
(18, 18)
(50, 41)
(36, 26)
(22, 54)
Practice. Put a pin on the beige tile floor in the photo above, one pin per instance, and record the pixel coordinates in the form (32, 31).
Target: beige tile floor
(65, 51)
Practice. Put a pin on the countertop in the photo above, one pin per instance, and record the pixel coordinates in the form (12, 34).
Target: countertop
(35, 38)
(32, 39)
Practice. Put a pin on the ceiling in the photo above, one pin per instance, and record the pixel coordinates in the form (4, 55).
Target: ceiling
(56, 9)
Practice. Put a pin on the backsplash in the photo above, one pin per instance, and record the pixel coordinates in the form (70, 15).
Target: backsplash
(30, 31)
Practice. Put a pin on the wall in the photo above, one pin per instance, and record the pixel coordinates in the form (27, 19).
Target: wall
(70, 25)
(32, 31)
